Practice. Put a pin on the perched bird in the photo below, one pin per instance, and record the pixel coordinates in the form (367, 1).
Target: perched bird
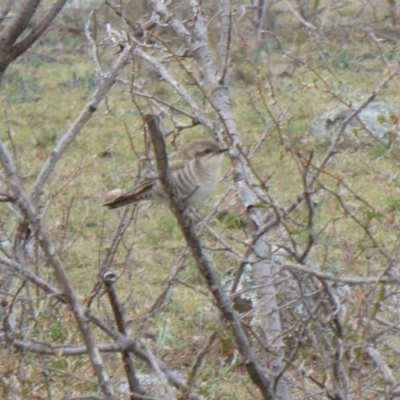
(195, 168)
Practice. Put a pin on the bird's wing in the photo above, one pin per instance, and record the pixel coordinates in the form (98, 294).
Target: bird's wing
(143, 190)
(176, 161)
(140, 192)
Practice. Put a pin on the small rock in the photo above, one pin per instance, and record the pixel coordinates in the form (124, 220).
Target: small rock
(379, 118)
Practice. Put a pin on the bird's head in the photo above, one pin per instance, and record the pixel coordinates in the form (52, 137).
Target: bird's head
(204, 149)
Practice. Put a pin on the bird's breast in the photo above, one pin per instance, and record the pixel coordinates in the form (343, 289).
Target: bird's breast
(207, 178)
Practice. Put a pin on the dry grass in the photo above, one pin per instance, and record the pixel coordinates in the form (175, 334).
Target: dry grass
(45, 90)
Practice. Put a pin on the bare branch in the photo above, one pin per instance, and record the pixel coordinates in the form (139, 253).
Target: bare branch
(17, 24)
(38, 30)
(31, 215)
(32, 277)
(298, 16)
(381, 364)
(134, 384)
(88, 110)
(203, 263)
(126, 343)
(5, 9)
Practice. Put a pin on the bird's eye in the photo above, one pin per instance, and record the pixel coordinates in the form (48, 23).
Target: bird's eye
(208, 151)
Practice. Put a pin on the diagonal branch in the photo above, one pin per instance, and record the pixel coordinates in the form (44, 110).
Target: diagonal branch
(28, 275)
(198, 44)
(18, 23)
(88, 110)
(5, 9)
(38, 30)
(32, 216)
(203, 263)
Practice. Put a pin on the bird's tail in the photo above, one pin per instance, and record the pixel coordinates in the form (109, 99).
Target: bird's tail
(143, 191)
(119, 202)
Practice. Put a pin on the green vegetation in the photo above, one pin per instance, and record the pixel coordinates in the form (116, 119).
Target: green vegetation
(275, 100)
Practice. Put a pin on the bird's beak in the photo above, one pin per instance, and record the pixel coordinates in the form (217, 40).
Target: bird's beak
(223, 150)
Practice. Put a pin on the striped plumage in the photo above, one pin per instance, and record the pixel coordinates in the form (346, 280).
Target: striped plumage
(195, 168)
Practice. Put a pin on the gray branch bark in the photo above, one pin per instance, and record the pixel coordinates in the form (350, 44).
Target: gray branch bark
(28, 208)
(203, 263)
(218, 91)
(9, 49)
(88, 110)
(32, 216)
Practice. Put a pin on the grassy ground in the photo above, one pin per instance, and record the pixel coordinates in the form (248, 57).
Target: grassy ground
(45, 90)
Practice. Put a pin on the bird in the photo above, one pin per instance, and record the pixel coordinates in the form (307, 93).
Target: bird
(195, 168)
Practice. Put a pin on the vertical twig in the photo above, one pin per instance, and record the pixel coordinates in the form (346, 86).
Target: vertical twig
(134, 384)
